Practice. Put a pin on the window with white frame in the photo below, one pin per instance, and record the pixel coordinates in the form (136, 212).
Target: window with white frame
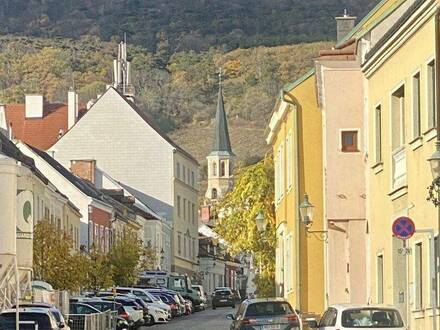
(179, 244)
(178, 205)
(380, 279)
(418, 276)
(178, 170)
(431, 104)
(398, 138)
(289, 152)
(184, 246)
(416, 105)
(289, 263)
(184, 173)
(282, 169)
(277, 178)
(378, 133)
(184, 209)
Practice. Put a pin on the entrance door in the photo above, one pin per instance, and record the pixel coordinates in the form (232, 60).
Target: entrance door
(400, 277)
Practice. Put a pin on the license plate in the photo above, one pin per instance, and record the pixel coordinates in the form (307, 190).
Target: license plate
(223, 300)
(271, 327)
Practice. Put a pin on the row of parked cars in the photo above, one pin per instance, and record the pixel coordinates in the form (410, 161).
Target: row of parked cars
(125, 308)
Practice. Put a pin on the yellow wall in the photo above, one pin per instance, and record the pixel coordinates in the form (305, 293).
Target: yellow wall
(304, 118)
(384, 205)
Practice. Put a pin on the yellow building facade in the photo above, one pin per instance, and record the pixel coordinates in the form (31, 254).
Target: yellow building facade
(400, 90)
(295, 134)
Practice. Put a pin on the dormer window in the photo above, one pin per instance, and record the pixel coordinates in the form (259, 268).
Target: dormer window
(214, 193)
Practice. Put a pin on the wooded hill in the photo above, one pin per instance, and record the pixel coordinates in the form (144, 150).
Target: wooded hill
(178, 25)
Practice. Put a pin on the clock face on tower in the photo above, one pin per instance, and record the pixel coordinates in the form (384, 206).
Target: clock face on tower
(25, 211)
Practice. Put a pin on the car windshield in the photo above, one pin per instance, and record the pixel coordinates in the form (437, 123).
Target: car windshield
(7, 321)
(371, 318)
(269, 308)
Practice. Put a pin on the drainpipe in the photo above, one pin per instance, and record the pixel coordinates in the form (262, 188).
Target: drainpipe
(298, 198)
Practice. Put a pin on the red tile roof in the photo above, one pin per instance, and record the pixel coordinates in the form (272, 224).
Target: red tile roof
(41, 133)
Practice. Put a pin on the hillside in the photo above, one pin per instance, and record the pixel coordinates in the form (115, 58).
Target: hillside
(178, 25)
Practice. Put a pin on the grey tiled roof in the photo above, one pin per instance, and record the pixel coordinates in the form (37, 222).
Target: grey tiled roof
(221, 132)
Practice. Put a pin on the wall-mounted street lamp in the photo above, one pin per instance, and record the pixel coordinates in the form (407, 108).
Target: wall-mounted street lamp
(261, 221)
(306, 211)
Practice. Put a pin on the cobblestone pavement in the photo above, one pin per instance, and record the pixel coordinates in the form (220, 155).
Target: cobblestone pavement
(205, 320)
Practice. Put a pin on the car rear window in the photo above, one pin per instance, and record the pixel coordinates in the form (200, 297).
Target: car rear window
(268, 308)
(222, 293)
(7, 321)
(371, 318)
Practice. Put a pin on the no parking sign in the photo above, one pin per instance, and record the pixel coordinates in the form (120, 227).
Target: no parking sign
(403, 228)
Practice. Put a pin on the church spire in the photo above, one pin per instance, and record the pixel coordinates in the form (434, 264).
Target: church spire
(221, 143)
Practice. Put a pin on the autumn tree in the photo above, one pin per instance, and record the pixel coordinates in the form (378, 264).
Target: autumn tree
(148, 258)
(124, 258)
(99, 270)
(253, 193)
(54, 261)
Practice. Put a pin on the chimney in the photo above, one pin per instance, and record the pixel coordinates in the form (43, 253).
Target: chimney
(34, 106)
(344, 24)
(72, 108)
(3, 123)
(84, 169)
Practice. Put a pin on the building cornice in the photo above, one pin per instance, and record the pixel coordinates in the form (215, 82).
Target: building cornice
(420, 17)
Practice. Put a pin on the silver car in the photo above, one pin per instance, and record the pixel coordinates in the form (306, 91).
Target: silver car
(265, 314)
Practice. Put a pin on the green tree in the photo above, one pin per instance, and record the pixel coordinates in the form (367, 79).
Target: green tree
(124, 259)
(148, 257)
(99, 270)
(253, 193)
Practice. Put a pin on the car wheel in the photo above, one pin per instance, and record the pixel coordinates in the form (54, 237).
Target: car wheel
(233, 306)
(213, 307)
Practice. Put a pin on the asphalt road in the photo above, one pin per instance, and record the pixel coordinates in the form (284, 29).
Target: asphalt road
(206, 320)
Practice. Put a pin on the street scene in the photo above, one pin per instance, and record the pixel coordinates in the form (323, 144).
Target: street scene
(241, 165)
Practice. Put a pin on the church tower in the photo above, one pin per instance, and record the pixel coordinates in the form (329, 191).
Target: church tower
(221, 158)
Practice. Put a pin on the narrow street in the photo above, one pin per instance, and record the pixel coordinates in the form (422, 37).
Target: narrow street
(209, 319)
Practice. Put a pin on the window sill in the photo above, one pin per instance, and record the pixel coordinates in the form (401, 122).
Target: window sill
(430, 134)
(416, 143)
(398, 192)
(377, 168)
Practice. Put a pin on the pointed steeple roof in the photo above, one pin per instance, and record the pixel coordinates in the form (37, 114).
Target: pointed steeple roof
(222, 144)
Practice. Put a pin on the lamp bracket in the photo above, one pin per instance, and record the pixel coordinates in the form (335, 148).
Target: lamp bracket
(322, 235)
(434, 192)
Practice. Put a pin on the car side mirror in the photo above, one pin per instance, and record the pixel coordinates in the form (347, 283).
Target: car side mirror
(312, 323)
(230, 317)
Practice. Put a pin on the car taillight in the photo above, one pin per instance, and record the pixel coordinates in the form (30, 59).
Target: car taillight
(249, 321)
(174, 306)
(291, 318)
(124, 315)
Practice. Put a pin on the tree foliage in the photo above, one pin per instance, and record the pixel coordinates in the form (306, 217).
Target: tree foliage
(253, 192)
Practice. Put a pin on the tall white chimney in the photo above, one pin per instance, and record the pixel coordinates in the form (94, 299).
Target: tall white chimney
(34, 106)
(3, 122)
(72, 108)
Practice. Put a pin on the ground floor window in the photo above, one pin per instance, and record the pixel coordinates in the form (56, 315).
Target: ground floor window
(418, 280)
(380, 279)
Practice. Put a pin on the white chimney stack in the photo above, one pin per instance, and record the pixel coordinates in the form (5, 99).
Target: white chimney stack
(72, 108)
(34, 106)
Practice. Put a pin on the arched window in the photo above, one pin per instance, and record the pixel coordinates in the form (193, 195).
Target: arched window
(214, 193)
(222, 168)
(214, 168)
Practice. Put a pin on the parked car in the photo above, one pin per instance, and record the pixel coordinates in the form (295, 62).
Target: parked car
(265, 314)
(29, 318)
(148, 298)
(179, 302)
(103, 306)
(83, 309)
(202, 294)
(132, 308)
(359, 316)
(55, 312)
(169, 301)
(223, 298)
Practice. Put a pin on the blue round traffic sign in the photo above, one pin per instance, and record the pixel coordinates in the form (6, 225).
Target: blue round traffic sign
(403, 228)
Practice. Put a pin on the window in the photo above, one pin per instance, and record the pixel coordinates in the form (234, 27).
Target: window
(90, 233)
(349, 141)
(214, 168)
(289, 146)
(378, 128)
(193, 212)
(329, 318)
(194, 248)
(431, 95)
(418, 280)
(289, 265)
(222, 168)
(193, 180)
(184, 246)
(416, 105)
(398, 118)
(178, 205)
(188, 176)
(214, 193)
(179, 244)
(277, 178)
(184, 209)
(371, 318)
(189, 211)
(282, 169)
(184, 173)
(178, 170)
(380, 279)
